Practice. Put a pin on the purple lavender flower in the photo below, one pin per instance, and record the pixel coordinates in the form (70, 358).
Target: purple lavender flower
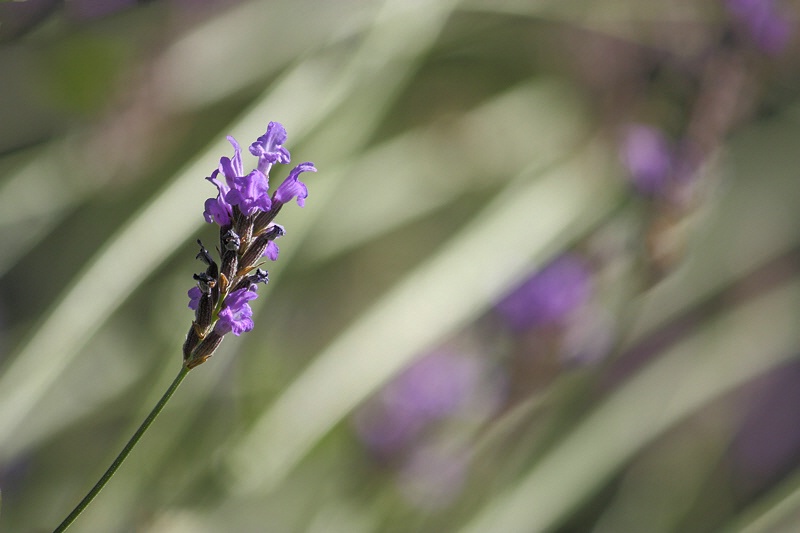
(250, 193)
(219, 209)
(399, 426)
(550, 296)
(272, 251)
(236, 314)
(194, 297)
(768, 28)
(434, 387)
(232, 168)
(292, 186)
(269, 147)
(649, 157)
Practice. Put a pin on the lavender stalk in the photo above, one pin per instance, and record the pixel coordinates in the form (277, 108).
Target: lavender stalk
(244, 211)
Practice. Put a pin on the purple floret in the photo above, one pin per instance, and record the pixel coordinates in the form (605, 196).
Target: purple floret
(232, 168)
(269, 147)
(250, 193)
(648, 157)
(194, 297)
(292, 187)
(272, 251)
(768, 28)
(219, 209)
(236, 314)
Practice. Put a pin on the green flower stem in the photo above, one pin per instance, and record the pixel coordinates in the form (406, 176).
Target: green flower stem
(124, 453)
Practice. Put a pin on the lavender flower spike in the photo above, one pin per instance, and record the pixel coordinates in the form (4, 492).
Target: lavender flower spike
(269, 147)
(245, 211)
(292, 186)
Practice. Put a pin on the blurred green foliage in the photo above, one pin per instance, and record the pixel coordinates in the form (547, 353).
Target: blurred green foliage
(461, 147)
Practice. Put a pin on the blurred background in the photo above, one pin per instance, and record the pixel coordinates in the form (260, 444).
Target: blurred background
(546, 278)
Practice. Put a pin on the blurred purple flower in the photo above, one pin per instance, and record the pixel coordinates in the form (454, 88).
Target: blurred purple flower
(648, 157)
(769, 29)
(432, 388)
(550, 296)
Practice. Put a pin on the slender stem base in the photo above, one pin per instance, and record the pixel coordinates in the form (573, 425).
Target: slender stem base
(124, 453)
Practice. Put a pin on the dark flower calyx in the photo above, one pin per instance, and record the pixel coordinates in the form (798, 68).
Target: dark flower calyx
(205, 282)
(260, 276)
(206, 258)
(203, 351)
(205, 312)
(203, 254)
(256, 250)
(242, 225)
(231, 240)
(192, 340)
(275, 231)
(230, 264)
